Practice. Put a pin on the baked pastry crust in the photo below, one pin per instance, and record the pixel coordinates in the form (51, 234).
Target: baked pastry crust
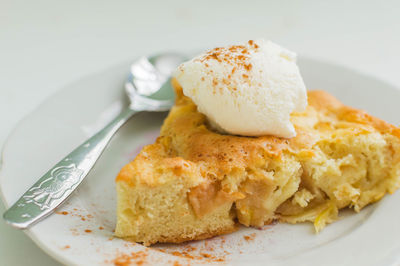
(194, 183)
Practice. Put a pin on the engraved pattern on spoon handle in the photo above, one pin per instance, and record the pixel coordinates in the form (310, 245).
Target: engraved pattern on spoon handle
(59, 182)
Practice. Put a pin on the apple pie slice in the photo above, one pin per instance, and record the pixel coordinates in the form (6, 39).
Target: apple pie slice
(194, 183)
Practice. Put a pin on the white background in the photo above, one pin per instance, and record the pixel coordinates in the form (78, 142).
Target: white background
(44, 45)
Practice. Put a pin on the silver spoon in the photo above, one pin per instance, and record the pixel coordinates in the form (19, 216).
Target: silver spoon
(149, 89)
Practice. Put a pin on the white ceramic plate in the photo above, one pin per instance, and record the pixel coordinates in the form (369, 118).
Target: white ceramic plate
(83, 234)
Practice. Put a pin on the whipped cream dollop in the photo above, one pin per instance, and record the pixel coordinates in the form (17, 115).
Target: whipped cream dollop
(249, 89)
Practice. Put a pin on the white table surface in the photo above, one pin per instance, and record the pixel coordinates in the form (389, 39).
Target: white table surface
(46, 44)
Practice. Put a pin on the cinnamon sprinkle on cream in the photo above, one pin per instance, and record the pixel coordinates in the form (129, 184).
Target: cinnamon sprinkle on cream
(258, 83)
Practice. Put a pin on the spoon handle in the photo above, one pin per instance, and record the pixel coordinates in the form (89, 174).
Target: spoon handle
(59, 182)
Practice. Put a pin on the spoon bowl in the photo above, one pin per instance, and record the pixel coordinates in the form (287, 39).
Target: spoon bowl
(149, 82)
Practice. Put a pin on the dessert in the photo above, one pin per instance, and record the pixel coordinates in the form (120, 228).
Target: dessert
(197, 181)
